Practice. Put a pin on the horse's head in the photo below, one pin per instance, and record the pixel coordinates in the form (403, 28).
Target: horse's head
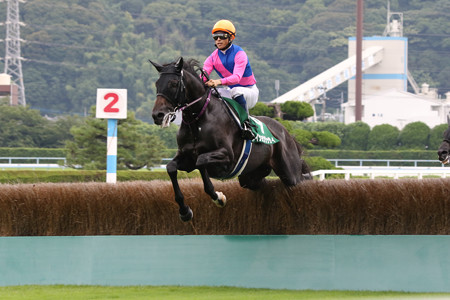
(444, 149)
(170, 91)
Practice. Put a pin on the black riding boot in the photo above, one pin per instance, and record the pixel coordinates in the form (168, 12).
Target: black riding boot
(246, 132)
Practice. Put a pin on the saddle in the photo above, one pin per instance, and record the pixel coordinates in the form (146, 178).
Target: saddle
(239, 115)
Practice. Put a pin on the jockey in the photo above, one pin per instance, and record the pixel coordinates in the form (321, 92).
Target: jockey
(233, 67)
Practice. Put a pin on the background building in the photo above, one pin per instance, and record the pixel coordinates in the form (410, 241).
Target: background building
(9, 92)
(385, 79)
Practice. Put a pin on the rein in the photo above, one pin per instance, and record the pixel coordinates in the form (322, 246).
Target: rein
(208, 99)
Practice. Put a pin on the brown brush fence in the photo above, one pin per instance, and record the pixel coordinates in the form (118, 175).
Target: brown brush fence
(382, 206)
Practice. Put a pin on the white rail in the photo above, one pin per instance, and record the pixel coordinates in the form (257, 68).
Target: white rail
(344, 162)
(36, 162)
(385, 172)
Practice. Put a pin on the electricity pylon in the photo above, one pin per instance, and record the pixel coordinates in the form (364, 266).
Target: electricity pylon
(13, 59)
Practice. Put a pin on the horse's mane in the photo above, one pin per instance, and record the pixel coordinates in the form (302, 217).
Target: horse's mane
(193, 66)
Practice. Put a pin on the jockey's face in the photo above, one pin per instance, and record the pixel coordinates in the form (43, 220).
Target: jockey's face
(222, 39)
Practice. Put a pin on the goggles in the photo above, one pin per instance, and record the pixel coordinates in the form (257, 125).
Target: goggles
(220, 35)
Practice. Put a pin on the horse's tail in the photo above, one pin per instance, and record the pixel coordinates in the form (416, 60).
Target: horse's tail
(306, 171)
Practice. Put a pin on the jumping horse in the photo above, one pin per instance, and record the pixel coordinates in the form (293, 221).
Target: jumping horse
(444, 148)
(209, 139)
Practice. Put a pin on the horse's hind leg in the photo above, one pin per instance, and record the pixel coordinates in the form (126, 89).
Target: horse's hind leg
(185, 211)
(306, 171)
(288, 166)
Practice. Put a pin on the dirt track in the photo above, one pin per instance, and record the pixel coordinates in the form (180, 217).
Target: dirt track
(382, 206)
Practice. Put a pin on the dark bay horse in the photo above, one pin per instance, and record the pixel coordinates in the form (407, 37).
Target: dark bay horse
(209, 139)
(444, 148)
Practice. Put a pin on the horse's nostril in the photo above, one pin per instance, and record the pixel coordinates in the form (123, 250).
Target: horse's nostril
(158, 116)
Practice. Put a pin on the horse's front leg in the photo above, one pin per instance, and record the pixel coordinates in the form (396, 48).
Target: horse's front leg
(219, 163)
(217, 197)
(185, 211)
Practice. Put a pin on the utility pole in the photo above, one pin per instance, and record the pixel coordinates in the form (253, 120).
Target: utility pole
(277, 86)
(13, 59)
(358, 82)
(324, 99)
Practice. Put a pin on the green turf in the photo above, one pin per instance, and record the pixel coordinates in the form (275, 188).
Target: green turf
(66, 292)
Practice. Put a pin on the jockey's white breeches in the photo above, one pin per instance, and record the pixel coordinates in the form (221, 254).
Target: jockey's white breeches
(250, 93)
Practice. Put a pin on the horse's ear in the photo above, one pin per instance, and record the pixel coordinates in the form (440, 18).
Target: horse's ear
(179, 64)
(158, 67)
(448, 120)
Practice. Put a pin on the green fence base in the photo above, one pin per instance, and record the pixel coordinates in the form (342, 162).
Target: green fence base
(324, 262)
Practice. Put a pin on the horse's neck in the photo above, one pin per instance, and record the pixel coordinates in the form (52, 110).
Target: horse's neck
(196, 95)
(194, 88)
(213, 111)
(219, 113)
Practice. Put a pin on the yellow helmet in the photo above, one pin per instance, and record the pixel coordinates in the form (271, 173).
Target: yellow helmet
(225, 25)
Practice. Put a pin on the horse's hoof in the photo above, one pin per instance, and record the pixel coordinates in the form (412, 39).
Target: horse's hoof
(221, 200)
(307, 176)
(187, 216)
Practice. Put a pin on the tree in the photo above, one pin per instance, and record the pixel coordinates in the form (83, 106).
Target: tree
(356, 136)
(326, 139)
(135, 148)
(22, 127)
(336, 128)
(287, 124)
(415, 136)
(436, 136)
(262, 109)
(167, 135)
(318, 163)
(303, 137)
(296, 110)
(383, 137)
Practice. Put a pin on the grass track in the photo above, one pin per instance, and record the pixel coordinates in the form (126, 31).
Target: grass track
(72, 292)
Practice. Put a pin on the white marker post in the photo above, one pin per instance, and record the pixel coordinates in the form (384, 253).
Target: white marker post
(111, 105)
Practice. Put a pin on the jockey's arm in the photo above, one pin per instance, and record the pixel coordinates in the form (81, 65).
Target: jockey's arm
(208, 67)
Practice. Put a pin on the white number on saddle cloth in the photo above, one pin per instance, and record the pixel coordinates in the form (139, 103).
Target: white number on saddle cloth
(259, 123)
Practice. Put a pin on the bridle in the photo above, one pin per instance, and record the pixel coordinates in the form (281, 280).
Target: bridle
(179, 102)
(180, 93)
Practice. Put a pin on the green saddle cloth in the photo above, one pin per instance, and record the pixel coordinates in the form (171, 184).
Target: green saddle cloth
(263, 134)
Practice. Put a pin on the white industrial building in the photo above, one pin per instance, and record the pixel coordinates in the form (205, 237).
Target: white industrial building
(399, 108)
(385, 78)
